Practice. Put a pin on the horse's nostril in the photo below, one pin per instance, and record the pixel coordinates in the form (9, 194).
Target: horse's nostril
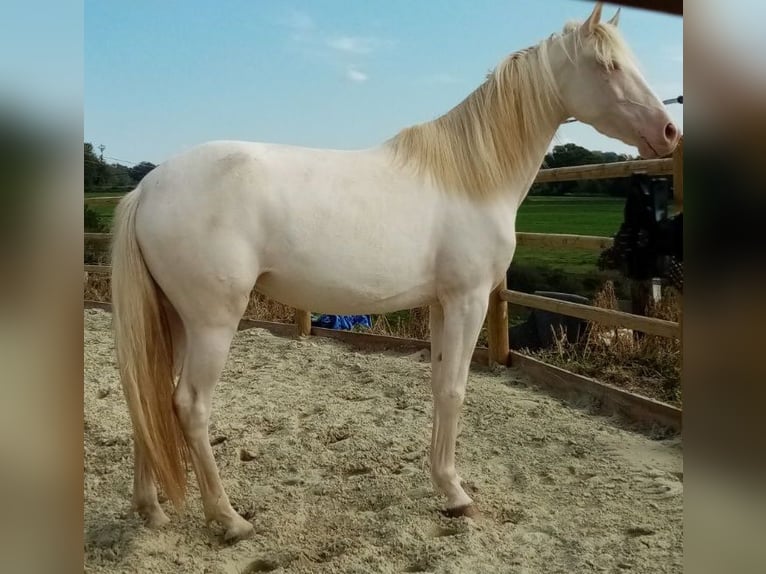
(671, 132)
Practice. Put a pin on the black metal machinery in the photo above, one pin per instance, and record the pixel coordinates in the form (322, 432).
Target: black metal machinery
(649, 242)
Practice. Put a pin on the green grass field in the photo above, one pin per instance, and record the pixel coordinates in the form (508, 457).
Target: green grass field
(104, 209)
(579, 216)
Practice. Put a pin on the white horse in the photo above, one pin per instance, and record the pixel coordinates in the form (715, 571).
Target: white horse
(204, 228)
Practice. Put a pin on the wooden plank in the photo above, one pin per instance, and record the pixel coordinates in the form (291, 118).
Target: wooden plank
(97, 237)
(608, 398)
(388, 343)
(662, 166)
(649, 325)
(91, 304)
(104, 199)
(368, 340)
(98, 268)
(497, 326)
(557, 240)
(279, 329)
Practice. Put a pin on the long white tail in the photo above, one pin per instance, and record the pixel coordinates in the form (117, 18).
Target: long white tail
(145, 355)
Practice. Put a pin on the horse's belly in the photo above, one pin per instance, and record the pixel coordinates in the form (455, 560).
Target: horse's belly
(334, 291)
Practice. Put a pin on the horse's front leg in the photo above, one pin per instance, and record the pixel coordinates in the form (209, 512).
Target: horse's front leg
(455, 326)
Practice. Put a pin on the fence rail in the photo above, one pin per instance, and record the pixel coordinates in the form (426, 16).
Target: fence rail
(98, 237)
(648, 325)
(104, 199)
(663, 166)
(559, 240)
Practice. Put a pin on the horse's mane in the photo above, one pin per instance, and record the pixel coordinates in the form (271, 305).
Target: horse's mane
(480, 145)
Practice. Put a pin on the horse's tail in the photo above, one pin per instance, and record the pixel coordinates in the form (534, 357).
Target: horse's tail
(145, 355)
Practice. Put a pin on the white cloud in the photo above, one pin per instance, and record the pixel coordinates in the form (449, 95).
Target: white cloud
(353, 44)
(338, 51)
(356, 76)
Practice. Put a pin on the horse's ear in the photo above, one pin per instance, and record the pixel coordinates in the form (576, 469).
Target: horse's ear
(614, 20)
(593, 19)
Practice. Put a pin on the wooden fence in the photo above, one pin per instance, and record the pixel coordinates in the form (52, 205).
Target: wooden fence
(497, 313)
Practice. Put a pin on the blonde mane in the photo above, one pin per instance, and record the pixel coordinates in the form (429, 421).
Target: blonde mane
(492, 138)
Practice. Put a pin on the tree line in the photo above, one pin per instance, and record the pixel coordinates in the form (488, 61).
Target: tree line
(570, 154)
(101, 176)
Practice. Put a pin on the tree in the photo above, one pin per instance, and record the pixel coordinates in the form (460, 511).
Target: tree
(95, 170)
(138, 171)
(100, 176)
(570, 154)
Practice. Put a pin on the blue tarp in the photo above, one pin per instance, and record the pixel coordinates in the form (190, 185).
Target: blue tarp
(341, 322)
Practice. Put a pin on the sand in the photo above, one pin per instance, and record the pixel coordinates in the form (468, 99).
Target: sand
(324, 449)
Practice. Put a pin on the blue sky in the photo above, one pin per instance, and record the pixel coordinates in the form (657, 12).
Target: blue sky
(161, 77)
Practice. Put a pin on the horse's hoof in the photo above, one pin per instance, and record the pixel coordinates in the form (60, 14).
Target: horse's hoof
(467, 510)
(154, 518)
(239, 531)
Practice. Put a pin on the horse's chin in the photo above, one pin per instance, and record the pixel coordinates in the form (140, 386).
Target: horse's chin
(646, 151)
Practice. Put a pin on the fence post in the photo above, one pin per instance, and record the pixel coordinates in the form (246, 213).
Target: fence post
(678, 196)
(303, 322)
(678, 174)
(497, 327)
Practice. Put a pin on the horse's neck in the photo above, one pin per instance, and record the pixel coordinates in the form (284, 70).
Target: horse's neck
(494, 141)
(538, 148)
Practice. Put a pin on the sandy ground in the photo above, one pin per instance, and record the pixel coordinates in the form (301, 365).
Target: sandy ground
(325, 450)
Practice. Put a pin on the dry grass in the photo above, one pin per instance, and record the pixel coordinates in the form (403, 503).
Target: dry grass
(646, 364)
(97, 287)
(261, 308)
(412, 324)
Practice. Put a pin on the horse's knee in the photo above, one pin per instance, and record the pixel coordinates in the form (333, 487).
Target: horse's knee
(451, 395)
(192, 412)
(449, 400)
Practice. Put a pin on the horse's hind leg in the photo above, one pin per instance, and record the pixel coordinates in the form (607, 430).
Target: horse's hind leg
(206, 350)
